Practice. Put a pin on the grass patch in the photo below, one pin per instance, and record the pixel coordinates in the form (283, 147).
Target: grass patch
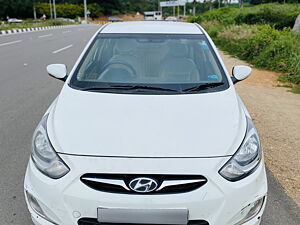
(32, 24)
(284, 85)
(295, 90)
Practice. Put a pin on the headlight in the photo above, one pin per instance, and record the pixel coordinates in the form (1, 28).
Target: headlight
(246, 159)
(44, 156)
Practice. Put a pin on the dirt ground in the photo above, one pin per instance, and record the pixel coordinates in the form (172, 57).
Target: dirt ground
(276, 114)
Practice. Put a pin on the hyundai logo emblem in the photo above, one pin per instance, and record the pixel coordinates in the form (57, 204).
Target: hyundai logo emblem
(143, 185)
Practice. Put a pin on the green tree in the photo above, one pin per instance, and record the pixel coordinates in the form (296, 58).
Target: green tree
(69, 10)
(109, 6)
(62, 10)
(16, 8)
(24, 8)
(95, 9)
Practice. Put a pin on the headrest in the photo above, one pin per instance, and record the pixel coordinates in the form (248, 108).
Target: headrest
(124, 46)
(178, 50)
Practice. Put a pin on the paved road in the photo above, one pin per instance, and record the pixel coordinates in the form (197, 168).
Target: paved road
(25, 93)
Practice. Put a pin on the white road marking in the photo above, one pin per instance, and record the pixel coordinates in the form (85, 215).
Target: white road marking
(68, 31)
(10, 43)
(62, 49)
(47, 35)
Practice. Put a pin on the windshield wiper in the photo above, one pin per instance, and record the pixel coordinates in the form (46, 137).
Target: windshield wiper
(143, 87)
(127, 87)
(203, 86)
(98, 88)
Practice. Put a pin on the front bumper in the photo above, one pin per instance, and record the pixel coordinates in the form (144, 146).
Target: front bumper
(218, 202)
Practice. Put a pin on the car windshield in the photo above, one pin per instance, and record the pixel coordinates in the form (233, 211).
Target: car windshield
(150, 64)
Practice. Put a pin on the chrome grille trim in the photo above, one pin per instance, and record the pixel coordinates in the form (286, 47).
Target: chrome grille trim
(166, 184)
(120, 183)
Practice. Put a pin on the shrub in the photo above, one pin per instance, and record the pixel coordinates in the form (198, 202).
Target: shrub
(213, 27)
(195, 19)
(56, 23)
(264, 47)
(280, 54)
(260, 40)
(260, 35)
(274, 14)
(223, 15)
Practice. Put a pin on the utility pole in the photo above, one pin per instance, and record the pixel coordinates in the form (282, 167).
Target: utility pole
(54, 9)
(50, 5)
(85, 12)
(194, 7)
(34, 13)
(241, 3)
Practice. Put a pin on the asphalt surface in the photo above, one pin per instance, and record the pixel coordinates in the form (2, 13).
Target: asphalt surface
(26, 91)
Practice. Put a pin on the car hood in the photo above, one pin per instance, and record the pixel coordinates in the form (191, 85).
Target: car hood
(129, 125)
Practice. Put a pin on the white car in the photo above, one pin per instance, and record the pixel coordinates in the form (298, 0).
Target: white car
(171, 18)
(147, 129)
(65, 19)
(14, 20)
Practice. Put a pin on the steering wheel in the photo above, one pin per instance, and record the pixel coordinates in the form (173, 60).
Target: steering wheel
(127, 65)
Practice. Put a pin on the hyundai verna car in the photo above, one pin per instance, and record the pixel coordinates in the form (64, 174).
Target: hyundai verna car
(147, 129)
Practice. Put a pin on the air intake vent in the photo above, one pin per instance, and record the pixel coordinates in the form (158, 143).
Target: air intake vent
(143, 184)
(92, 221)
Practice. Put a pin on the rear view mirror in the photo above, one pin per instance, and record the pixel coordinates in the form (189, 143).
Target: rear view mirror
(240, 73)
(58, 71)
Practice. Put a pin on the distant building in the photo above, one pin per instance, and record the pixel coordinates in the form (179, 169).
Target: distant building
(154, 15)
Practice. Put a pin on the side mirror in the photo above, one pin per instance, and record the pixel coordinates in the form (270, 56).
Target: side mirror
(240, 73)
(58, 71)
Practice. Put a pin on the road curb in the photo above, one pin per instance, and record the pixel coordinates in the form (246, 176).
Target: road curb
(24, 30)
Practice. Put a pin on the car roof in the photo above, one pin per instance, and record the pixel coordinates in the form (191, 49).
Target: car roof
(157, 27)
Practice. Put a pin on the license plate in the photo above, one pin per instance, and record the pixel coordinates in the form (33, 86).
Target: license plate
(143, 216)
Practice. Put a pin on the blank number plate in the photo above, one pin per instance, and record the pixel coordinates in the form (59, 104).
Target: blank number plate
(143, 216)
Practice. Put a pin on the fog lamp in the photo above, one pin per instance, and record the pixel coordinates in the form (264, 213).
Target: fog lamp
(250, 211)
(36, 206)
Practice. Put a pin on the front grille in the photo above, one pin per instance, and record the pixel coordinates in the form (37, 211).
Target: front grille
(166, 184)
(92, 221)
